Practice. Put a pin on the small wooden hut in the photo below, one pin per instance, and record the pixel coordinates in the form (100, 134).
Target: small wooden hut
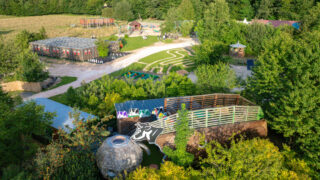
(135, 26)
(237, 50)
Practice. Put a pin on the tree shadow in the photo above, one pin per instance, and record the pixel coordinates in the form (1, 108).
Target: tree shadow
(2, 32)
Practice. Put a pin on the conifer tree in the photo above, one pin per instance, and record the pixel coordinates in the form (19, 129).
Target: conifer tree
(286, 84)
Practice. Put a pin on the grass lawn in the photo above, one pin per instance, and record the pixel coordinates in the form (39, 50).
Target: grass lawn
(137, 42)
(64, 80)
(55, 25)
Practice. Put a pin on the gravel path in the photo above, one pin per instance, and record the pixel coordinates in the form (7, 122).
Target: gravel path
(88, 72)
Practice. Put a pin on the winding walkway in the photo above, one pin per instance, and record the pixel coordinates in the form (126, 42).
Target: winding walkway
(86, 72)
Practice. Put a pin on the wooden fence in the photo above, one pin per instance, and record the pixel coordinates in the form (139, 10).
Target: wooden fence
(172, 105)
(209, 117)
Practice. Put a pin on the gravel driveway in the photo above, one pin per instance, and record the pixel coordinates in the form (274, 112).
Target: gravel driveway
(88, 72)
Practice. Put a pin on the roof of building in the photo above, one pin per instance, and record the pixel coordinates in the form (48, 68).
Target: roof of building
(277, 23)
(67, 42)
(134, 23)
(238, 45)
(140, 104)
(62, 113)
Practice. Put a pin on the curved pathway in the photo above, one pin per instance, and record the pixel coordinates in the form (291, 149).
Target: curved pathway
(86, 72)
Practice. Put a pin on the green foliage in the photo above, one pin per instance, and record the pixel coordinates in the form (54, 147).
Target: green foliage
(209, 52)
(168, 170)
(107, 12)
(18, 62)
(251, 159)
(77, 165)
(30, 68)
(122, 11)
(15, 172)
(265, 9)
(286, 84)
(180, 156)
(40, 7)
(23, 39)
(215, 78)
(240, 9)
(70, 156)
(311, 20)
(99, 96)
(17, 125)
(256, 35)
(103, 47)
(8, 62)
(180, 19)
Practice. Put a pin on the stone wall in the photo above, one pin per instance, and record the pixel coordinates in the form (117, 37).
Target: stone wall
(220, 133)
(21, 86)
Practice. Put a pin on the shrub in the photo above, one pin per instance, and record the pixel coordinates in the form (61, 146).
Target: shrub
(30, 68)
(251, 159)
(103, 47)
(215, 78)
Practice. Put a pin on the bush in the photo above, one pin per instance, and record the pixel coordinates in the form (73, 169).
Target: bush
(77, 165)
(103, 47)
(30, 68)
(251, 159)
(215, 78)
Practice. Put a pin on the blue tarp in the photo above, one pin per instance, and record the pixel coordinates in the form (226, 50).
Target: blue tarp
(140, 104)
(62, 113)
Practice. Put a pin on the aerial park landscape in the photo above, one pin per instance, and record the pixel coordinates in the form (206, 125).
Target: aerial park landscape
(164, 89)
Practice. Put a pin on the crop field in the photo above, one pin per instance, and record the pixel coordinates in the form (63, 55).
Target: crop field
(167, 61)
(55, 25)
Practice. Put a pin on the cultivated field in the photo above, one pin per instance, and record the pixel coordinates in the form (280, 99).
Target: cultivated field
(55, 25)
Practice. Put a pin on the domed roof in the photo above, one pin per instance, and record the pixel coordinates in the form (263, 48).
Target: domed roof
(118, 153)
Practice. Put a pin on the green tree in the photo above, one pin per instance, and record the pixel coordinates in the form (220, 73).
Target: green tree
(256, 35)
(180, 156)
(214, 22)
(286, 84)
(103, 47)
(311, 20)
(30, 68)
(251, 159)
(186, 10)
(8, 62)
(209, 52)
(215, 78)
(294, 9)
(265, 9)
(240, 9)
(122, 11)
(17, 125)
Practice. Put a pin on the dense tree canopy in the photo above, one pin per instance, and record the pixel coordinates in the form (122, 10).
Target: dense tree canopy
(286, 84)
(17, 125)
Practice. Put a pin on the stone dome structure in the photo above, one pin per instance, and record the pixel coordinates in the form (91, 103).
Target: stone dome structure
(118, 153)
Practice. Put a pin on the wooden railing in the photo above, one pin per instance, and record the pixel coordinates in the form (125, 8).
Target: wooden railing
(209, 117)
(173, 104)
